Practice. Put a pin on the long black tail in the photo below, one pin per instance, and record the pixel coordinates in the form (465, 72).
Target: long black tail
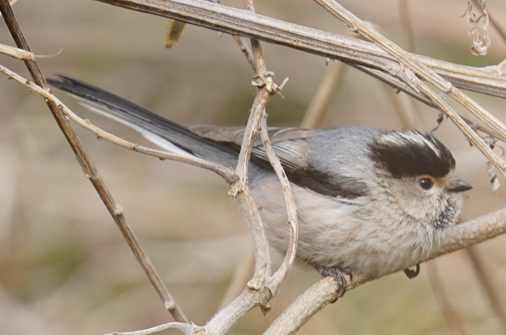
(164, 132)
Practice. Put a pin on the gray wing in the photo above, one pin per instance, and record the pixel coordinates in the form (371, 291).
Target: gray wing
(290, 144)
(323, 161)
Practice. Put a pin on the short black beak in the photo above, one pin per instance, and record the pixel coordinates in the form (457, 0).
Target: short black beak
(458, 186)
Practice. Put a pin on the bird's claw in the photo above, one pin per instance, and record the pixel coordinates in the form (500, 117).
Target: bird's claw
(412, 273)
(336, 272)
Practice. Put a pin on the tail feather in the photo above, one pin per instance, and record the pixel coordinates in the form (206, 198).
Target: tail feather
(163, 132)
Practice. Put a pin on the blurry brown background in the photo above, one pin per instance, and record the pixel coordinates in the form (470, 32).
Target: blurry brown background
(65, 269)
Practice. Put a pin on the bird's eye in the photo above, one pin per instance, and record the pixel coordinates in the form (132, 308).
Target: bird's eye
(426, 183)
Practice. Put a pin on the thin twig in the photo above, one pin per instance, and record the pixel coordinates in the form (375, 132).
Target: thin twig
(291, 209)
(16, 52)
(241, 191)
(185, 328)
(245, 50)
(414, 66)
(90, 171)
(101, 134)
(486, 80)
(12, 3)
(264, 78)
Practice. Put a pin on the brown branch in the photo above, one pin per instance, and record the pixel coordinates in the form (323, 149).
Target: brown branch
(89, 169)
(363, 54)
(12, 3)
(418, 68)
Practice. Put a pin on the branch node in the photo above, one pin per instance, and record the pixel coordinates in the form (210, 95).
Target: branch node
(118, 210)
(265, 80)
(169, 305)
(254, 284)
(237, 188)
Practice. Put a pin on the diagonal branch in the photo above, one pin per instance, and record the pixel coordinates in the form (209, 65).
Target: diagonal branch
(420, 69)
(488, 80)
(90, 171)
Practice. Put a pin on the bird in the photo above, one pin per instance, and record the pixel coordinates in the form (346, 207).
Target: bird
(369, 201)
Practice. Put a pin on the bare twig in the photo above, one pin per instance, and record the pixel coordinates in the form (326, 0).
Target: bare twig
(439, 293)
(241, 191)
(101, 134)
(90, 171)
(271, 88)
(365, 55)
(278, 277)
(245, 50)
(12, 3)
(185, 328)
(426, 73)
(16, 52)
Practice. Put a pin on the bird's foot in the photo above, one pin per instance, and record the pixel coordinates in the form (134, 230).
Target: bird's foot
(336, 272)
(412, 273)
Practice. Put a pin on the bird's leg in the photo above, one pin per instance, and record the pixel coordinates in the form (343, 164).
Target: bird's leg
(412, 273)
(336, 272)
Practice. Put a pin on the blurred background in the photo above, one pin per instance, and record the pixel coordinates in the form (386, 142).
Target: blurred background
(65, 268)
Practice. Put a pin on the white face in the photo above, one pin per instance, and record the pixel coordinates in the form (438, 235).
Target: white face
(425, 197)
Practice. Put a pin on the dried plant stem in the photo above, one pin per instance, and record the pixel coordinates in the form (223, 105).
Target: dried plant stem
(226, 174)
(185, 328)
(418, 68)
(263, 80)
(12, 3)
(241, 191)
(245, 50)
(500, 29)
(16, 52)
(362, 54)
(277, 278)
(90, 171)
